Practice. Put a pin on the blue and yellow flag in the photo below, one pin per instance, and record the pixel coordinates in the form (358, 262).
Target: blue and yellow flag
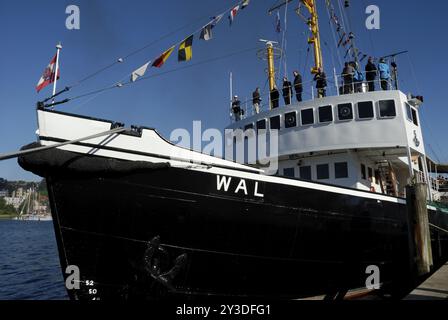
(185, 49)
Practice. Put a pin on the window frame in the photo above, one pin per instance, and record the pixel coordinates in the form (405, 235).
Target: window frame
(331, 113)
(357, 110)
(327, 165)
(295, 119)
(379, 109)
(346, 170)
(293, 172)
(301, 117)
(351, 108)
(308, 167)
(279, 122)
(259, 121)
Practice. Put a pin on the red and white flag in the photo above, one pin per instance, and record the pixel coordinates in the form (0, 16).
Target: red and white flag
(233, 13)
(48, 75)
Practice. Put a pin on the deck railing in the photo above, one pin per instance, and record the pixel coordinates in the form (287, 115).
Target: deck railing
(336, 86)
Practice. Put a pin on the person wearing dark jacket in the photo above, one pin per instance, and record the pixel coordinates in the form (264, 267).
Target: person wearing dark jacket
(256, 100)
(371, 72)
(287, 90)
(321, 83)
(298, 85)
(347, 74)
(275, 97)
(236, 108)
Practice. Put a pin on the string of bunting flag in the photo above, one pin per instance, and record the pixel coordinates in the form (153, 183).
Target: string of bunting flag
(185, 47)
(344, 38)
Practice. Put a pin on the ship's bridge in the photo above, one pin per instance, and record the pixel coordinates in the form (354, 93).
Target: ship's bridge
(366, 140)
(380, 119)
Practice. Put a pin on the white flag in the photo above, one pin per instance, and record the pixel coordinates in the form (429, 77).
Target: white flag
(140, 72)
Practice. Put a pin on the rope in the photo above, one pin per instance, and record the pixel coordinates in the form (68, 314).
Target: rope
(15, 154)
(119, 84)
(122, 60)
(422, 117)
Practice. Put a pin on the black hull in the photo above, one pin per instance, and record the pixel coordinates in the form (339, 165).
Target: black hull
(293, 242)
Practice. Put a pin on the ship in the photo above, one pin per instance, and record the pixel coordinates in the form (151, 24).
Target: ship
(143, 218)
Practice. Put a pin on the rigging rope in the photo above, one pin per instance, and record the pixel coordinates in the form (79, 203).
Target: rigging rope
(124, 58)
(422, 117)
(119, 84)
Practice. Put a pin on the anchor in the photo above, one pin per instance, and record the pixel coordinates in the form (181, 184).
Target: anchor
(153, 267)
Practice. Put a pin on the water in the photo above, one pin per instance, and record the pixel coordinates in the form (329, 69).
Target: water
(29, 262)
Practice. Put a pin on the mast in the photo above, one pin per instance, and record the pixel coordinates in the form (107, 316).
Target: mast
(313, 23)
(271, 67)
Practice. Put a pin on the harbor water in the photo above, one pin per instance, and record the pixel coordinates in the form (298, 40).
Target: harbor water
(29, 262)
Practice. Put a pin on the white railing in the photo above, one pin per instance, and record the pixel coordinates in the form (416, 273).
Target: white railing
(335, 87)
(434, 183)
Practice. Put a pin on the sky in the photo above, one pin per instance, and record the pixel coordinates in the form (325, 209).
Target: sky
(110, 29)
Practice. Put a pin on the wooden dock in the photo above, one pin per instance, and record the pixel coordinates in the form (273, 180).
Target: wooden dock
(434, 288)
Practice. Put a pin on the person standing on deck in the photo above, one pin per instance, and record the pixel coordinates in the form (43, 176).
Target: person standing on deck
(298, 85)
(321, 83)
(347, 75)
(256, 100)
(236, 108)
(384, 70)
(371, 72)
(358, 78)
(275, 96)
(287, 90)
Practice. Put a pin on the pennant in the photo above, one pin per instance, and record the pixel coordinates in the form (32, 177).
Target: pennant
(233, 13)
(185, 52)
(48, 75)
(206, 32)
(278, 25)
(363, 57)
(216, 20)
(140, 72)
(162, 58)
(244, 4)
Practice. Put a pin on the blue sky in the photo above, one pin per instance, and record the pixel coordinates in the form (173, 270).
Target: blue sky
(29, 31)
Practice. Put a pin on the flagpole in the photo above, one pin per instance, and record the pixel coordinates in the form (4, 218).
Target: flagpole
(58, 48)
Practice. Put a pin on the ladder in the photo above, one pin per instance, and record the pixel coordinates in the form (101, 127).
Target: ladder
(388, 179)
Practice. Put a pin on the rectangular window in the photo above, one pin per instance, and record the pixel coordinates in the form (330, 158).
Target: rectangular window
(275, 122)
(363, 172)
(325, 114)
(289, 172)
(414, 116)
(345, 111)
(307, 116)
(305, 172)
(261, 124)
(387, 108)
(340, 170)
(408, 111)
(290, 120)
(365, 110)
(323, 171)
(370, 173)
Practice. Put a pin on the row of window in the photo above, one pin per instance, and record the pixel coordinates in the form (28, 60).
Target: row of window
(322, 171)
(344, 112)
